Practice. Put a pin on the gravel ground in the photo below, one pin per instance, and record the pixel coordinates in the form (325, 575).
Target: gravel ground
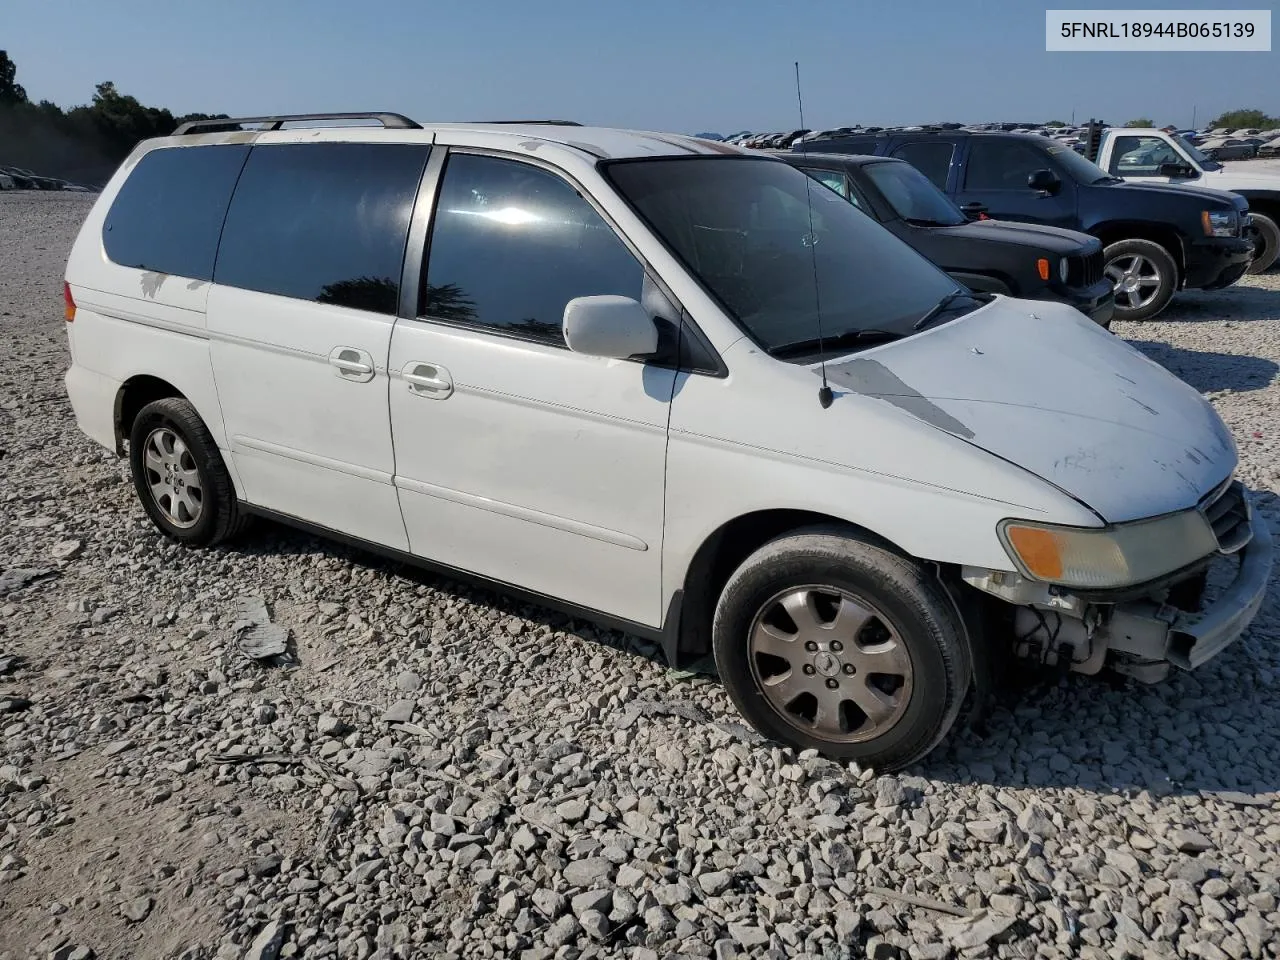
(432, 770)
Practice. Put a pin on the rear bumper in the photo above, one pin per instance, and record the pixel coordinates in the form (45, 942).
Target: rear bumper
(93, 399)
(1216, 262)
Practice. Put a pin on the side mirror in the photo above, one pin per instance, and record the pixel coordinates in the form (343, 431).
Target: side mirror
(1044, 180)
(609, 326)
(1175, 170)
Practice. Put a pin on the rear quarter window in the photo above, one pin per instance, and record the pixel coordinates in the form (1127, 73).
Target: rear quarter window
(326, 222)
(168, 214)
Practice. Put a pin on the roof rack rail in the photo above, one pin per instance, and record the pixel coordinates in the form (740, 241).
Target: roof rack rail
(545, 123)
(390, 121)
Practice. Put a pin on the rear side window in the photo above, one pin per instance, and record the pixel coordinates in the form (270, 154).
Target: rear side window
(512, 244)
(930, 157)
(169, 212)
(323, 221)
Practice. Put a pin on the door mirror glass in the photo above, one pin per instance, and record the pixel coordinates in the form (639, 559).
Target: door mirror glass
(609, 326)
(1175, 170)
(1045, 180)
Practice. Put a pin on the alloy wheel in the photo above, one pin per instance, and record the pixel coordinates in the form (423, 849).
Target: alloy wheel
(172, 477)
(1136, 280)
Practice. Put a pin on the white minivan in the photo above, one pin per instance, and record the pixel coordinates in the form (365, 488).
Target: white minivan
(663, 383)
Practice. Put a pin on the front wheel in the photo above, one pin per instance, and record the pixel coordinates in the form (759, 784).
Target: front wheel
(827, 641)
(1265, 234)
(1143, 275)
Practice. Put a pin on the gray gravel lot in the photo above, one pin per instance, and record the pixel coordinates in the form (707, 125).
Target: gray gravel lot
(441, 771)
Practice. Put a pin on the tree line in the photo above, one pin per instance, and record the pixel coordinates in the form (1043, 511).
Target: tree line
(82, 144)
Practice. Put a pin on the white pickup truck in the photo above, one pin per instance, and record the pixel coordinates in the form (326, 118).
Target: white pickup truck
(1149, 154)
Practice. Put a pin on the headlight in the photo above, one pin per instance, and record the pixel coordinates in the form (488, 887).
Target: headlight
(1116, 557)
(1063, 269)
(1219, 223)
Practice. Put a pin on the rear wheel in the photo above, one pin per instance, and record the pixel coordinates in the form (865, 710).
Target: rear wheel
(1143, 275)
(180, 477)
(1265, 234)
(827, 641)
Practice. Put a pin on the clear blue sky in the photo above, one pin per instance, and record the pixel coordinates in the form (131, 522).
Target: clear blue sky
(678, 65)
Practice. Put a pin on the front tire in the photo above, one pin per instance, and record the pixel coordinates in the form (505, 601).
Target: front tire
(827, 641)
(179, 475)
(1266, 243)
(1144, 276)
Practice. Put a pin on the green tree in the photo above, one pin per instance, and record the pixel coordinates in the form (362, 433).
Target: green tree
(1055, 123)
(10, 90)
(1140, 122)
(1246, 118)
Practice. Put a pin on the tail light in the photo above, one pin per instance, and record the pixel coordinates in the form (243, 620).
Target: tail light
(69, 303)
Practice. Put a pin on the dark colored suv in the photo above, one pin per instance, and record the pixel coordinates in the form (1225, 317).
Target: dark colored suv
(1157, 238)
(1017, 259)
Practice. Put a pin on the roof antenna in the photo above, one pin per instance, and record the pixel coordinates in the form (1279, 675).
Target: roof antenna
(825, 396)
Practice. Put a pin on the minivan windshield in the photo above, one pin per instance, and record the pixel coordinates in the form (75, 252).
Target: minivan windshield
(913, 196)
(742, 227)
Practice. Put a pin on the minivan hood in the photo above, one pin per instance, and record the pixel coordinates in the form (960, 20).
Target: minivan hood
(1042, 387)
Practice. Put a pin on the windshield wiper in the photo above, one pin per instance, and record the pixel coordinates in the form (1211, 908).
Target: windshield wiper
(1109, 179)
(923, 222)
(945, 302)
(848, 338)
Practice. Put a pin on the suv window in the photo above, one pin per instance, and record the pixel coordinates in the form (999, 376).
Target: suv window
(1135, 156)
(512, 244)
(999, 164)
(930, 157)
(830, 178)
(323, 221)
(169, 212)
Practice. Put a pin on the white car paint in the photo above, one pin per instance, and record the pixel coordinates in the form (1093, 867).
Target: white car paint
(595, 481)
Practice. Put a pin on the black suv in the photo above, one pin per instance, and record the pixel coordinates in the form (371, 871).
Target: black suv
(1158, 238)
(1016, 259)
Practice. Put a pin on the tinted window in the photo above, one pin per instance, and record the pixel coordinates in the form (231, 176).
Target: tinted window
(771, 250)
(912, 197)
(862, 145)
(169, 212)
(323, 221)
(930, 157)
(997, 164)
(512, 244)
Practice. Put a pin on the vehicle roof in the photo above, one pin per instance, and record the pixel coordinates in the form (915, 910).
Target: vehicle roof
(850, 159)
(599, 142)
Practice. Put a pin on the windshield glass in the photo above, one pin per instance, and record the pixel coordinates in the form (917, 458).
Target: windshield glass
(1078, 168)
(741, 226)
(1190, 149)
(912, 195)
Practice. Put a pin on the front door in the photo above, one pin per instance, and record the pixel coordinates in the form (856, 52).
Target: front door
(994, 180)
(515, 458)
(300, 318)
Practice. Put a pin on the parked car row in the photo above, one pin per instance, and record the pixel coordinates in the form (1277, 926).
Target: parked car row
(709, 401)
(19, 178)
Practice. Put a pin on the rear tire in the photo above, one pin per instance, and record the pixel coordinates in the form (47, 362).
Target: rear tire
(827, 641)
(179, 475)
(1266, 243)
(1144, 275)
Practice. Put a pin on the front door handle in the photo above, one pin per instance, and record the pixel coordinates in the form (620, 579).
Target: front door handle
(352, 363)
(427, 380)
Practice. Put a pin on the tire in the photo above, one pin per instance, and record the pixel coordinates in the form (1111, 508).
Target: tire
(180, 477)
(1135, 261)
(1266, 243)
(899, 619)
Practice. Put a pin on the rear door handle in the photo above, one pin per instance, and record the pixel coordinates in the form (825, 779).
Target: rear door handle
(352, 363)
(427, 380)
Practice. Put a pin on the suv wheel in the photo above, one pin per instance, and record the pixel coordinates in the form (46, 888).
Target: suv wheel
(180, 477)
(1144, 277)
(1265, 234)
(829, 642)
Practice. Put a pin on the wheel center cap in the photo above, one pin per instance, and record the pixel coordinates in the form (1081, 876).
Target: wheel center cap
(827, 664)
